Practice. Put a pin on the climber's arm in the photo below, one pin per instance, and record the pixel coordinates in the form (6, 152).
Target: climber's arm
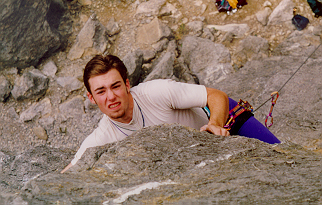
(218, 104)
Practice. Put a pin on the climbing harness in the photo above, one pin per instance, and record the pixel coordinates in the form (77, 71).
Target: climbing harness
(274, 95)
(237, 116)
(240, 108)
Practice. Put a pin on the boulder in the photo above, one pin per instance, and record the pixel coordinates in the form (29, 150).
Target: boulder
(112, 27)
(172, 47)
(194, 28)
(238, 30)
(73, 108)
(282, 13)
(153, 32)
(207, 34)
(85, 2)
(40, 132)
(209, 61)
(262, 16)
(31, 84)
(163, 69)
(149, 8)
(47, 122)
(37, 109)
(133, 62)
(5, 88)
(30, 30)
(160, 45)
(12, 113)
(297, 44)
(92, 39)
(250, 48)
(170, 10)
(148, 55)
(50, 69)
(69, 83)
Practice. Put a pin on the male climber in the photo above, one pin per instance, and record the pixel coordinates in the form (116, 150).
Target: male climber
(127, 110)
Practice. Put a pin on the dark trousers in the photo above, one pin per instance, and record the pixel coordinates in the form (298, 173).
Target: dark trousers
(252, 128)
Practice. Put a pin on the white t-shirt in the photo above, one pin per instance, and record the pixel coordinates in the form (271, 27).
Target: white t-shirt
(155, 102)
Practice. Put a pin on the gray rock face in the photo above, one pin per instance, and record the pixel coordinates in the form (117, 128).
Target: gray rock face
(153, 32)
(164, 68)
(237, 30)
(73, 108)
(31, 165)
(170, 164)
(282, 13)
(112, 27)
(12, 113)
(37, 109)
(133, 62)
(69, 83)
(40, 132)
(152, 7)
(262, 16)
(207, 34)
(5, 88)
(209, 61)
(297, 44)
(50, 69)
(251, 48)
(195, 28)
(31, 84)
(317, 30)
(29, 30)
(92, 39)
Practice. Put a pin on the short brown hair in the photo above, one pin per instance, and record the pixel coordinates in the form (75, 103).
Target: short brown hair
(100, 65)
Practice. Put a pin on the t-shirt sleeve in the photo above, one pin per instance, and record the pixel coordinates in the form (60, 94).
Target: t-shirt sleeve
(96, 138)
(176, 95)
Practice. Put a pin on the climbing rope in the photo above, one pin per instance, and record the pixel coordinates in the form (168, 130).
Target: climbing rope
(244, 106)
(275, 94)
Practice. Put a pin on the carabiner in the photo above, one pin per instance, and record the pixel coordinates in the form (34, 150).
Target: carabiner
(274, 95)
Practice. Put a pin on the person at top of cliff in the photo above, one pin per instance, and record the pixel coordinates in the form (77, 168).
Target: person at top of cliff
(127, 109)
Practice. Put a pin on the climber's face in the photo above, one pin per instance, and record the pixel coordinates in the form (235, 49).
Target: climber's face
(112, 95)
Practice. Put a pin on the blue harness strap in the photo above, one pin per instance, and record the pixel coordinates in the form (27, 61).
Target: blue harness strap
(207, 111)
